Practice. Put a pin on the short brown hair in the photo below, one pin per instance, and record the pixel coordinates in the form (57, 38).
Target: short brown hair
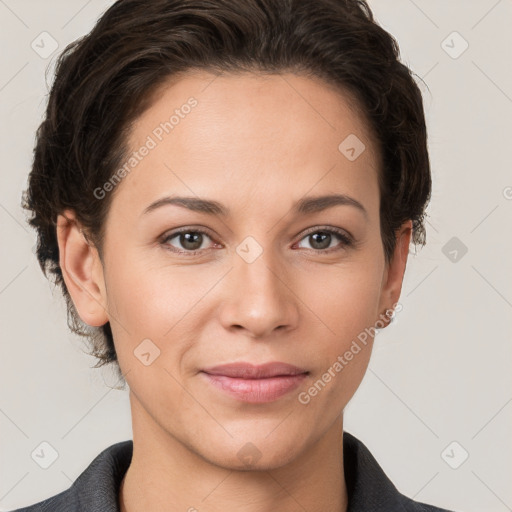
(104, 81)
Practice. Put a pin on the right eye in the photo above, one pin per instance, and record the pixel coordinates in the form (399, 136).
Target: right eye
(191, 241)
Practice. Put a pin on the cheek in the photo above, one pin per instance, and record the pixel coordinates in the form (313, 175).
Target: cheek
(159, 303)
(343, 307)
(142, 305)
(344, 299)
(151, 299)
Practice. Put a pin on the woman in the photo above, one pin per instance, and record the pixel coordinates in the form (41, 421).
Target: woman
(226, 191)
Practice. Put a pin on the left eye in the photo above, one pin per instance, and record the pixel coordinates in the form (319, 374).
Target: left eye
(321, 239)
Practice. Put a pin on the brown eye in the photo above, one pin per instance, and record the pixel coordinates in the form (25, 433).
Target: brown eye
(187, 241)
(321, 240)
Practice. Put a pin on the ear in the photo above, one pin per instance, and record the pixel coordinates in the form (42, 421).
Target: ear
(82, 270)
(394, 274)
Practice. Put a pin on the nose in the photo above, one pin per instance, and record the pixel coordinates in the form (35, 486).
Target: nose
(259, 297)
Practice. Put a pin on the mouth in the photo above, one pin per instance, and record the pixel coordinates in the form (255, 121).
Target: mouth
(255, 383)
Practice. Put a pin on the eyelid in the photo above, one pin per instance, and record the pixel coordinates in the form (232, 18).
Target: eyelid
(187, 229)
(338, 231)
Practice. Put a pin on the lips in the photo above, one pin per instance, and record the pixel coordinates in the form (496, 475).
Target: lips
(255, 384)
(251, 371)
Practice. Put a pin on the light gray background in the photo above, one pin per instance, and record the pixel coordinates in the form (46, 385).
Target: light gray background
(440, 373)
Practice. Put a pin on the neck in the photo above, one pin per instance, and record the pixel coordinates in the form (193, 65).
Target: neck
(165, 476)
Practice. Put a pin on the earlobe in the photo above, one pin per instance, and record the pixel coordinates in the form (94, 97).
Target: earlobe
(81, 270)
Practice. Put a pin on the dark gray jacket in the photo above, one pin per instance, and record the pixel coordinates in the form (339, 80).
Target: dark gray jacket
(97, 488)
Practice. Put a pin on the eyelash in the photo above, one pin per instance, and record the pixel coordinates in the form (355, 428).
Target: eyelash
(346, 241)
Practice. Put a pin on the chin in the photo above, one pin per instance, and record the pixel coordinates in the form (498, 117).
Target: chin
(240, 453)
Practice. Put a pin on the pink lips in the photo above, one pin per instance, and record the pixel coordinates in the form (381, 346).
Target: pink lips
(255, 383)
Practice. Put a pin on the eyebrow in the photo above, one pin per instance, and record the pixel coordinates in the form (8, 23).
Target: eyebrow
(301, 207)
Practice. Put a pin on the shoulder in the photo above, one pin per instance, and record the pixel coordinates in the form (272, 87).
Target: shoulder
(369, 488)
(96, 488)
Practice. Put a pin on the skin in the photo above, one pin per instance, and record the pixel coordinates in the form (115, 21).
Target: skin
(256, 144)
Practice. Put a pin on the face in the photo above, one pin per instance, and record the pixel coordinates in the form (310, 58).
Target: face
(263, 274)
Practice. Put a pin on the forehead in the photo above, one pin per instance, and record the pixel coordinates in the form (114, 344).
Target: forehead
(244, 132)
(251, 100)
